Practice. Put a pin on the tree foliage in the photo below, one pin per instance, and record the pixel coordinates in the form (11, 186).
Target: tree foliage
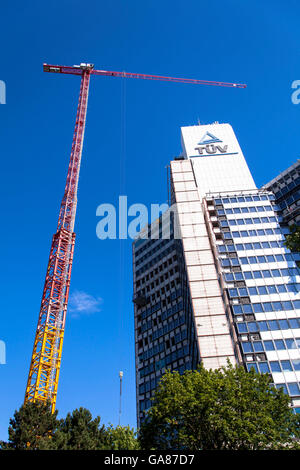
(228, 408)
(292, 241)
(121, 438)
(32, 427)
(79, 431)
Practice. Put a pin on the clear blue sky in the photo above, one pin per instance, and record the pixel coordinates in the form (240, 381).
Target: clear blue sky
(252, 42)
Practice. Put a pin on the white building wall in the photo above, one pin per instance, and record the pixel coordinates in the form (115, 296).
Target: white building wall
(214, 340)
(226, 169)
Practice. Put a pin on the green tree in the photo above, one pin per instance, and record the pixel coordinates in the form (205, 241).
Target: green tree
(32, 427)
(79, 431)
(121, 438)
(292, 241)
(228, 408)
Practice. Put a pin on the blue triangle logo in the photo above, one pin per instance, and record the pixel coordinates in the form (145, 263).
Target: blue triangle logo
(209, 138)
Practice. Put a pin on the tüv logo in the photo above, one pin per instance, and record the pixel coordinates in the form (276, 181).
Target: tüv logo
(2, 352)
(2, 92)
(206, 145)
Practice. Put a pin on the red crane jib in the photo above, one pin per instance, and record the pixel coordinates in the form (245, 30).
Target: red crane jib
(78, 70)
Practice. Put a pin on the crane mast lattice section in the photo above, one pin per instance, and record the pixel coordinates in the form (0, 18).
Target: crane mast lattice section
(47, 350)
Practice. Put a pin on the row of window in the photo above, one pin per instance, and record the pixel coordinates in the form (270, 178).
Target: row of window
(169, 327)
(286, 186)
(227, 262)
(248, 221)
(171, 311)
(164, 362)
(262, 346)
(252, 233)
(291, 389)
(266, 258)
(264, 290)
(248, 198)
(162, 346)
(276, 345)
(279, 366)
(268, 325)
(154, 308)
(265, 307)
(290, 200)
(250, 246)
(245, 210)
(155, 260)
(156, 247)
(150, 253)
(265, 273)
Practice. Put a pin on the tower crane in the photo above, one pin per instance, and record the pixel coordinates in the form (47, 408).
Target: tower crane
(45, 362)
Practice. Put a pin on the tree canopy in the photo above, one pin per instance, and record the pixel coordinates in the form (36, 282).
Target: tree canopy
(228, 408)
(34, 427)
(121, 438)
(79, 431)
(293, 239)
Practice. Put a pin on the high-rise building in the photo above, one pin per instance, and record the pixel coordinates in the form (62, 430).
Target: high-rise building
(286, 189)
(227, 288)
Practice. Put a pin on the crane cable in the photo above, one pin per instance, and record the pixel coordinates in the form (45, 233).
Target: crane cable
(122, 192)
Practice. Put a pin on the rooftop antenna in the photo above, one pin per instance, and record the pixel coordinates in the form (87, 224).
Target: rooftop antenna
(120, 407)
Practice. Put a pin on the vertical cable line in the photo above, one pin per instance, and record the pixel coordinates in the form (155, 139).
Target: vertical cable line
(122, 185)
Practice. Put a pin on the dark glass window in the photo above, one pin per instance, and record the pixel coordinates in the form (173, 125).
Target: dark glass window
(242, 327)
(252, 325)
(258, 346)
(248, 275)
(273, 324)
(269, 346)
(263, 326)
(257, 274)
(283, 324)
(237, 309)
(247, 308)
(252, 290)
(295, 322)
(291, 343)
(281, 288)
(286, 366)
(296, 364)
(275, 366)
(294, 389)
(262, 290)
(276, 273)
(233, 292)
(267, 307)
(239, 276)
(264, 368)
(247, 347)
(279, 343)
(257, 308)
(266, 273)
(243, 292)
